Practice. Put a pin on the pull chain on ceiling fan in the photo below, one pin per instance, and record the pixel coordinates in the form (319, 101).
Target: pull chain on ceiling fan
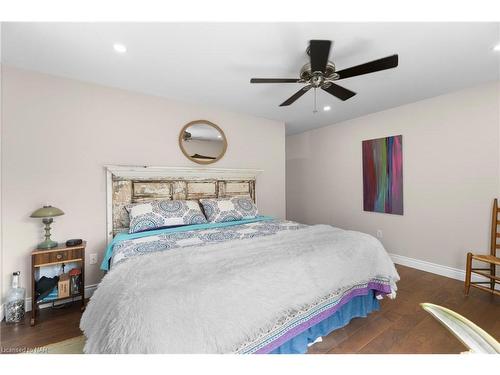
(315, 109)
(321, 73)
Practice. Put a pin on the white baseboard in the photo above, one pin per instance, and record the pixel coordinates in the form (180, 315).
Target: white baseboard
(89, 290)
(438, 269)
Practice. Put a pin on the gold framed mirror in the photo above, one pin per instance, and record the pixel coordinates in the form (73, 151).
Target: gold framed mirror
(202, 141)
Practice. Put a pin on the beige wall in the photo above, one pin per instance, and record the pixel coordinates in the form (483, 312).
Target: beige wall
(59, 133)
(450, 172)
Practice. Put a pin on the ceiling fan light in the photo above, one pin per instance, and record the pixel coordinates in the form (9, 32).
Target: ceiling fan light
(326, 108)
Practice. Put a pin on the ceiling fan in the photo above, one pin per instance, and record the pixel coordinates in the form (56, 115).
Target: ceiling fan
(321, 73)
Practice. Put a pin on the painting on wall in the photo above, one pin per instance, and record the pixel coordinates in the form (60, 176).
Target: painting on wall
(383, 175)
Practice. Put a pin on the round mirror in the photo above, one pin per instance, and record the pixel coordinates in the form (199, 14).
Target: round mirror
(202, 142)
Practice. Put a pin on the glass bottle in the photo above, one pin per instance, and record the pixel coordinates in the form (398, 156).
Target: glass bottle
(15, 301)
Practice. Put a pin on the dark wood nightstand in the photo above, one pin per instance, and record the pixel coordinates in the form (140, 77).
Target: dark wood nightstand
(57, 255)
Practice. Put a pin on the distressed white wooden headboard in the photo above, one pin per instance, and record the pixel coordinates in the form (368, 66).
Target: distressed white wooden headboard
(130, 184)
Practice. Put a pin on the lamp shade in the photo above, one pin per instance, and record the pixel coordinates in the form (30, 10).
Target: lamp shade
(47, 211)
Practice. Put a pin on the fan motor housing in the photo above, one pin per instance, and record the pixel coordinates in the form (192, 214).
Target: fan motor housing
(306, 74)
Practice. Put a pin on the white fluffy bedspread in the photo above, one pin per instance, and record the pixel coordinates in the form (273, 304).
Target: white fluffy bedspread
(216, 298)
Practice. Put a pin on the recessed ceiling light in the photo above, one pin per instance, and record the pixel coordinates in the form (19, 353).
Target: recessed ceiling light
(497, 47)
(120, 48)
(326, 108)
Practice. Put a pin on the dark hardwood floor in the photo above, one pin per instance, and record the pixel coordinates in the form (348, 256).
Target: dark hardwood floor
(53, 325)
(401, 326)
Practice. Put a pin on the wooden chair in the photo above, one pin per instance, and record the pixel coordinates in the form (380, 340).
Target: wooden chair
(491, 259)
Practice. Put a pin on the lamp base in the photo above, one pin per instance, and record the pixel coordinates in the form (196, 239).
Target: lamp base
(47, 244)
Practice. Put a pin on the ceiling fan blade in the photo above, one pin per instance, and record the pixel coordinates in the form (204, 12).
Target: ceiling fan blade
(318, 52)
(295, 96)
(339, 91)
(369, 67)
(274, 80)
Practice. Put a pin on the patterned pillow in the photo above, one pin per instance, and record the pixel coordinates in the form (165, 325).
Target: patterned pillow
(229, 209)
(164, 213)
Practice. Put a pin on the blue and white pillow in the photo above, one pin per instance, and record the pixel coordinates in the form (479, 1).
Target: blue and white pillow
(164, 213)
(229, 209)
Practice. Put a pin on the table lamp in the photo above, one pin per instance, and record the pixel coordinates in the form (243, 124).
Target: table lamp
(47, 213)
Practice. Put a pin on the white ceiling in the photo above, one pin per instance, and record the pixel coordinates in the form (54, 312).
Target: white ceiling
(212, 63)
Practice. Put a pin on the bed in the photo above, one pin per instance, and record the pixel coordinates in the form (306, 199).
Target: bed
(259, 285)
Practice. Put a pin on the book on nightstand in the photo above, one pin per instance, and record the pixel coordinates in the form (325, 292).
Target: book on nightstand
(63, 285)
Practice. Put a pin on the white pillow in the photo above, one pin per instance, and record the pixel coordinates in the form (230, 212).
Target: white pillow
(164, 213)
(229, 209)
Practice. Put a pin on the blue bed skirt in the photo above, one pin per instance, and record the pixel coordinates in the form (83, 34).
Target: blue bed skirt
(359, 306)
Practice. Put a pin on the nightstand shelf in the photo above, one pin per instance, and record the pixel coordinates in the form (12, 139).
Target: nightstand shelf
(41, 302)
(58, 255)
(61, 262)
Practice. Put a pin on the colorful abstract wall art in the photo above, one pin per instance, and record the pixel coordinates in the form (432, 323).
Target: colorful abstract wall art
(383, 175)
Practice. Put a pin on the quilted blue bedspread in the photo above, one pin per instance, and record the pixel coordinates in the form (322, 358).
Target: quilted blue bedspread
(126, 246)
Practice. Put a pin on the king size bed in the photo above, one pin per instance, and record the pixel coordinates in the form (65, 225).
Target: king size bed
(233, 284)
